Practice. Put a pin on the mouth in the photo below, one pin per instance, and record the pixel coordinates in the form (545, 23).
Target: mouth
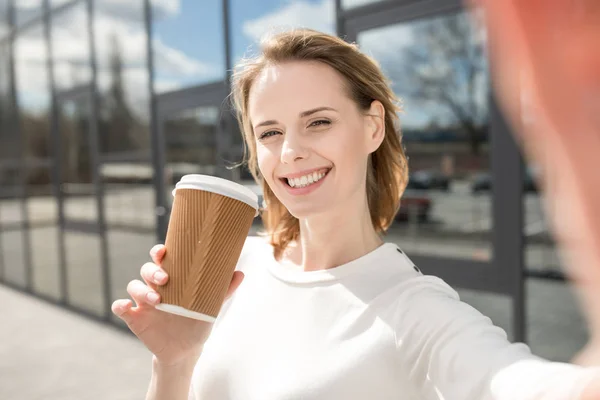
(306, 180)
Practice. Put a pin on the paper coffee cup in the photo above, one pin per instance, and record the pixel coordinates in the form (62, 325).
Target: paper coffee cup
(210, 220)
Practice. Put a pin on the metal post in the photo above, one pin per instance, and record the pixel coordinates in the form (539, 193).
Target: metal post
(57, 157)
(158, 154)
(95, 104)
(507, 206)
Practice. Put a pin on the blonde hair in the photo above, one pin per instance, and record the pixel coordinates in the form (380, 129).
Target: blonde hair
(387, 172)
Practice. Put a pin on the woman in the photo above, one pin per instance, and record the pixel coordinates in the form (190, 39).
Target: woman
(327, 309)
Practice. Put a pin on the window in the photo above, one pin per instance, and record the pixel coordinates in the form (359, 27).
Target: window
(439, 70)
(188, 46)
(71, 47)
(27, 10)
(250, 20)
(120, 37)
(346, 4)
(3, 19)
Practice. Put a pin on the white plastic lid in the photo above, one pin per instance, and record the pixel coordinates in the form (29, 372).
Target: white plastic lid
(220, 186)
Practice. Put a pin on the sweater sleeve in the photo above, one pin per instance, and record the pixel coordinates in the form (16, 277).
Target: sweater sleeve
(450, 351)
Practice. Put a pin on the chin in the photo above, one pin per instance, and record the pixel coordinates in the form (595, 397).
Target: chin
(306, 211)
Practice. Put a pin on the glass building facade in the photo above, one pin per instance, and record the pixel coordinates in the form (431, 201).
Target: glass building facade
(105, 104)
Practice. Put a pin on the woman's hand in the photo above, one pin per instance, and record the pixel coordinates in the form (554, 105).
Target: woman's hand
(545, 57)
(171, 338)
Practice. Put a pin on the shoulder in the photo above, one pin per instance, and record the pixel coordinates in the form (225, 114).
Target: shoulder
(255, 250)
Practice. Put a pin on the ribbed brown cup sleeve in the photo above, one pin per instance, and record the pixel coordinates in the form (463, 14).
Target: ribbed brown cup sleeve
(185, 225)
(204, 241)
(225, 228)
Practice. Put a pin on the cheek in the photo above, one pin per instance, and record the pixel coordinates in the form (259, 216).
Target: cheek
(267, 161)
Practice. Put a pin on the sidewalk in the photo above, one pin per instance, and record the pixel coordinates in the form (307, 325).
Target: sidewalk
(47, 353)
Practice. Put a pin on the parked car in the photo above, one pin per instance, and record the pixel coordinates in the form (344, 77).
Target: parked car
(483, 182)
(426, 180)
(414, 202)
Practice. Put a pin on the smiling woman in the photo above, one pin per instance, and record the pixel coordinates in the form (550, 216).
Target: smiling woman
(320, 129)
(327, 309)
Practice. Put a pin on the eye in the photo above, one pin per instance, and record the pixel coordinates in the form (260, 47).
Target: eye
(320, 122)
(268, 134)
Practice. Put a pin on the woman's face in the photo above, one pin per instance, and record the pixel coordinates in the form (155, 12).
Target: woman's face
(312, 141)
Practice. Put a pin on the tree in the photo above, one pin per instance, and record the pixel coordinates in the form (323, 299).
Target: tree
(445, 70)
(118, 128)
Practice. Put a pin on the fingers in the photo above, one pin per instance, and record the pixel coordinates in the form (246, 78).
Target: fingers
(142, 294)
(121, 308)
(157, 253)
(153, 274)
(236, 280)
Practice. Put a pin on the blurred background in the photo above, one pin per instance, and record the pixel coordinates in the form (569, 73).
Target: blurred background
(105, 104)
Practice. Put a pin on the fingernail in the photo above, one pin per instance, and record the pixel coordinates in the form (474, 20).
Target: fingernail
(152, 297)
(159, 276)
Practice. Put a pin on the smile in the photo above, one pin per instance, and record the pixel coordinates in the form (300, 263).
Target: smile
(306, 180)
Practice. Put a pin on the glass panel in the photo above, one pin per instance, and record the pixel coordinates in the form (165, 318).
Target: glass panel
(26, 10)
(129, 251)
(42, 211)
(80, 201)
(191, 144)
(13, 257)
(10, 173)
(3, 20)
(129, 195)
(84, 272)
(356, 3)
(439, 69)
(72, 62)
(180, 62)
(57, 3)
(11, 194)
(250, 20)
(33, 97)
(122, 80)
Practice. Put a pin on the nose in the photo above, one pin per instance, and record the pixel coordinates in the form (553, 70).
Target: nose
(292, 149)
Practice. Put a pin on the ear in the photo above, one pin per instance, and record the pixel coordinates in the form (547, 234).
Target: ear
(375, 126)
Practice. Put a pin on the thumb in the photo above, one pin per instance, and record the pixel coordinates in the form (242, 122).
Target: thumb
(236, 280)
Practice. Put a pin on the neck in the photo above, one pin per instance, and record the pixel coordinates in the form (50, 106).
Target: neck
(335, 238)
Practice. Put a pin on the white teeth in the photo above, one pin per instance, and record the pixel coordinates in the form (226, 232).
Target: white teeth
(305, 180)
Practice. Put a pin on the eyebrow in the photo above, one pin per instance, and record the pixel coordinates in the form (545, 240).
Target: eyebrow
(303, 114)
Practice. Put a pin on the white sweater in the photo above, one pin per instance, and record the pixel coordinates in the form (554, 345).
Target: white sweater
(374, 328)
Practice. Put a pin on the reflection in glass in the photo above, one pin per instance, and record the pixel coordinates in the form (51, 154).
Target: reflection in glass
(249, 23)
(13, 257)
(27, 10)
(10, 176)
(129, 201)
(80, 201)
(3, 20)
(122, 80)
(356, 3)
(72, 61)
(33, 99)
(191, 143)
(57, 3)
(11, 193)
(85, 281)
(129, 251)
(438, 68)
(180, 62)
(42, 213)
